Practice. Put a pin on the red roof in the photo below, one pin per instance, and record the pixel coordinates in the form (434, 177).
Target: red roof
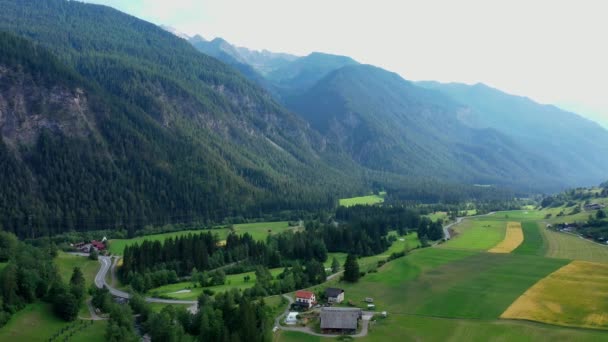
(98, 244)
(304, 294)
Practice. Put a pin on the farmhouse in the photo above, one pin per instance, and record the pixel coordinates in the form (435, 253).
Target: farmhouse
(340, 320)
(305, 299)
(334, 295)
(98, 245)
(593, 206)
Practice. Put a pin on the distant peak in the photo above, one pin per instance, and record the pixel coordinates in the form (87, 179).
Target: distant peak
(175, 32)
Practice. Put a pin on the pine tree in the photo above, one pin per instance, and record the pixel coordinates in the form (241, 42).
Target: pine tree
(351, 269)
(335, 265)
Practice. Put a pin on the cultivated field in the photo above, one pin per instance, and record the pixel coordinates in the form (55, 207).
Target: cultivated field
(477, 234)
(513, 238)
(258, 231)
(365, 200)
(534, 243)
(563, 245)
(575, 295)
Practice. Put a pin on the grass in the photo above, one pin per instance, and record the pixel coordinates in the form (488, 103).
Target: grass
(364, 200)
(415, 328)
(37, 322)
(534, 242)
(477, 234)
(513, 238)
(66, 262)
(387, 285)
(575, 295)
(438, 215)
(562, 245)
(232, 281)
(481, 286)
(258, 231)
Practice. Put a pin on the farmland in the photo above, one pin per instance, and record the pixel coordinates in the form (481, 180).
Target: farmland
(551, 300)
(477, 234)
(534, 242)
(563, 245)
(513, 238)
(258, 231)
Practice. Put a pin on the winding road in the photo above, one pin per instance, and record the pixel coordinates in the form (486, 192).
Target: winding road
(100, 282)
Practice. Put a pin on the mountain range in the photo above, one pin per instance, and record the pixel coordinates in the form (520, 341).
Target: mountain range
(110, 121)
(467, 133)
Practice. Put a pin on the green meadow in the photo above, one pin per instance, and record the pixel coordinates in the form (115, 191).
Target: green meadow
(398, 327)
(258, 231)
(364, 200)
(564, 245)
(37, 322)
(233, 281)
(477, 234)
(534, 242)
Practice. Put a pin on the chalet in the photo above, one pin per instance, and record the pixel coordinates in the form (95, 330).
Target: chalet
(305, 299)
(340, 320)
(593, 206)
(334, 295)
(98, 245)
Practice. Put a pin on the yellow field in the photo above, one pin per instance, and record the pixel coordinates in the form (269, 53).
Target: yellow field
(574, 295)
(513, 238)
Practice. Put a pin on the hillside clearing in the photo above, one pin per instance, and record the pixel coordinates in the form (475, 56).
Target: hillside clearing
(513, 238)
(363, 200)
(258, 230)
(574, 295)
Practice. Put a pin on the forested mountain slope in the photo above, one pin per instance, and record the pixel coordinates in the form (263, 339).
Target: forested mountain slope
(576, 146)
(149, 131)
(387, 123)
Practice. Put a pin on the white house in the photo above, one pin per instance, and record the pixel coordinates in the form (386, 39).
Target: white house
(292, 318)
(305, 299)
(334, 295)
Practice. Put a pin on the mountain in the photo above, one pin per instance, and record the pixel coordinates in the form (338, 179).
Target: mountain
(113, 122)
(574, 145)
(283, 75)
(387, 123)
(304, 72)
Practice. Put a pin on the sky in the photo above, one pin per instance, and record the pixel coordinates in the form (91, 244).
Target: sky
(552, 51)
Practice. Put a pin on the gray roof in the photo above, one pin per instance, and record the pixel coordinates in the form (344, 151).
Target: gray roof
(340, 318)
(333, 292)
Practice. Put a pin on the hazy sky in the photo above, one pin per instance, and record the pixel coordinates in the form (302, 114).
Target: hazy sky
(550, 50)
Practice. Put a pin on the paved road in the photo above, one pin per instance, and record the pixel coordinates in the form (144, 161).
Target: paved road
(100, 281)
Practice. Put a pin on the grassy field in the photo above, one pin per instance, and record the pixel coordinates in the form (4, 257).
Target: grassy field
(365, 200)
(575, 295)
(534, 242)
(232, 281)
(562, 245)
(66, 263)
(37, 322)
(258, 231)
(477, 234)
(416, 328)
(513, 238)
